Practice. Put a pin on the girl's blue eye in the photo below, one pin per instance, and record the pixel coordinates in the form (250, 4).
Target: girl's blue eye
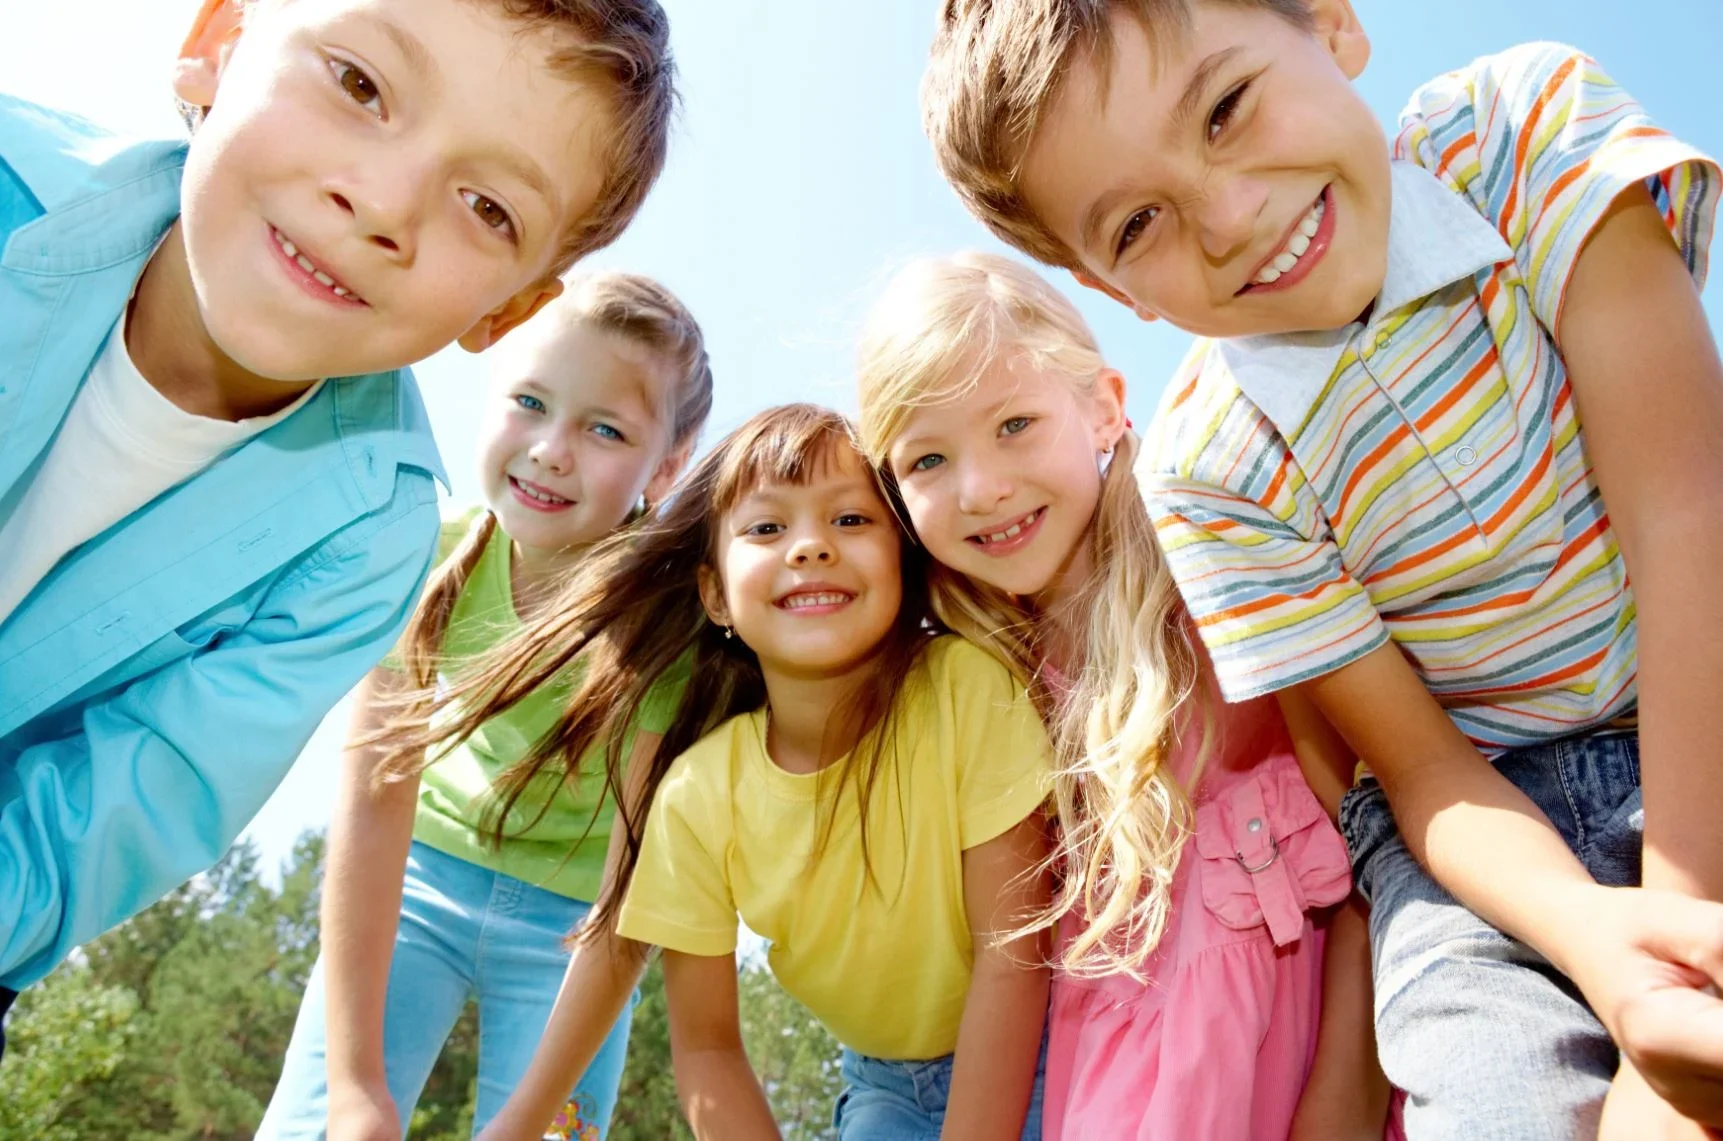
(530, 403)
(1014, 425)
(927, 462)
(608, 433)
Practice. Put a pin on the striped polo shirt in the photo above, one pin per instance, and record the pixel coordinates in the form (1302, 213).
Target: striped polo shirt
(1422, 476)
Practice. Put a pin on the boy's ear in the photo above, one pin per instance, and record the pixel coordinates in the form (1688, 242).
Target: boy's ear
(1090, 281)
(204, 52)
(712, 596)
(664, 476)
(511, 314)
(1338, 30)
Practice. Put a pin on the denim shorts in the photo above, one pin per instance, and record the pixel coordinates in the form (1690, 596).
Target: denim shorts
(1489, 1041)
(466, 934)
(888, 1100)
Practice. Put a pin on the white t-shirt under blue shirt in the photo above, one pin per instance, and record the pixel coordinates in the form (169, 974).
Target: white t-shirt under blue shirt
(122, 444)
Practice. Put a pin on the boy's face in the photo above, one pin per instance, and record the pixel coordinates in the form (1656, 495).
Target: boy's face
(1231, 182)
(377, 178)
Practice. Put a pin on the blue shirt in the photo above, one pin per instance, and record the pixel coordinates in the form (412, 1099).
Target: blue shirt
(157, 685)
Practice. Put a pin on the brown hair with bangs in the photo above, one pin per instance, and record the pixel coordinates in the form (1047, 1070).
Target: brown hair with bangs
(623, 48)
(632, 614)
(996, 66)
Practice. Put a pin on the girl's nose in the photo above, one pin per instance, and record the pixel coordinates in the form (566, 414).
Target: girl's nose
(812, 550)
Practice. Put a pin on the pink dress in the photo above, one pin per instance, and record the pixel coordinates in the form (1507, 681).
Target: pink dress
(1217, 1043)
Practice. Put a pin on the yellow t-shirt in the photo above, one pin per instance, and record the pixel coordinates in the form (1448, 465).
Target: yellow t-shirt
(730, 835)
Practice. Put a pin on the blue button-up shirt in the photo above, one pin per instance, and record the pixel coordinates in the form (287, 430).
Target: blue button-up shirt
(156, 686)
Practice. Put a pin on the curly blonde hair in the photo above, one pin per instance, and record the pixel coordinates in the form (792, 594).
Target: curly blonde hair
(1124, 815)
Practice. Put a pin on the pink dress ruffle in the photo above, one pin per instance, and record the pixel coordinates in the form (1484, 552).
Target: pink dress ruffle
(1216, 1045)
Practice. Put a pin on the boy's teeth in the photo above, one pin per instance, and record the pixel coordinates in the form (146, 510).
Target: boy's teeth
(341, 291)
(291, 249)
(323, 278)
(305, 264)
(1296, 246)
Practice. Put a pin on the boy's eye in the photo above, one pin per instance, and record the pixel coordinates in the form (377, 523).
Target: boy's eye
(1014, 425)
(530, 403)
(927, 462)
(1225, 110)
(607, 432)
(360, 88)
(1134, 227)
(490, 213)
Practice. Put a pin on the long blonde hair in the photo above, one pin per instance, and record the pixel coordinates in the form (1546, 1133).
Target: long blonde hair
(1124, 815)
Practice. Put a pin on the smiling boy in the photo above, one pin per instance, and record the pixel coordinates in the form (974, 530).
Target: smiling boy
(216, 476)
(1372, 485)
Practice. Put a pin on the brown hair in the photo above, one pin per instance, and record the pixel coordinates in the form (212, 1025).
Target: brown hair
(623, 46)
(632, 614)
(996, 66)
(628, 305)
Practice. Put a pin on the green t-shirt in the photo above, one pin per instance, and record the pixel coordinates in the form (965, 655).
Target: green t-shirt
(454, 808)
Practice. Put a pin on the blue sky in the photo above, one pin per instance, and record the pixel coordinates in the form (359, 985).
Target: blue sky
(799, 178)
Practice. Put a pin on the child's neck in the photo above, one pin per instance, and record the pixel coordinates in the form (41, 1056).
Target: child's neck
(167, 341)
(534, 575)
(800, 716)
(1057, 607)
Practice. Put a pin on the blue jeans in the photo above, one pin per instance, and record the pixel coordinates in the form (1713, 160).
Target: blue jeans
(465, 933)
(1489, 1040)
(886, 1100)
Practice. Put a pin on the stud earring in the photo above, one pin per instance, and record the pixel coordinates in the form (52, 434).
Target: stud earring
(729, 633)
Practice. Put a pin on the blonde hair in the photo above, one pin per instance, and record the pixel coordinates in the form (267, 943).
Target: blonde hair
(1123, 814)
(996, 66)
(627, 305)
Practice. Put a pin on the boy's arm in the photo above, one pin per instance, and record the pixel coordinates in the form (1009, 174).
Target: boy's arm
(369, 834)
(999, 1041)
(604, 969)
(162, 775)
(1649, 389)
(720, 1095)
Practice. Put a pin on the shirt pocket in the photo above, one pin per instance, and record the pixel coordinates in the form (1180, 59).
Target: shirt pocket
(1268, 852)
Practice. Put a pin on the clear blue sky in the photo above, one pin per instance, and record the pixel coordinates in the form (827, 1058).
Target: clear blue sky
(799, 178)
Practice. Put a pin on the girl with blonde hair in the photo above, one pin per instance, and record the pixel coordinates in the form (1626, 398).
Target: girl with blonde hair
(1195, 859)
(594, 408)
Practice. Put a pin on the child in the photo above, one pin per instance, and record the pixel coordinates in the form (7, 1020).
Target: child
(1188, 1004)
(216, 498)
(1374, 491)
(861, 793)
(599, 404)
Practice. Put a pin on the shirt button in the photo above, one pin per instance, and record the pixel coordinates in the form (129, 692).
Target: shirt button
(1255, 824)
(1466, 456)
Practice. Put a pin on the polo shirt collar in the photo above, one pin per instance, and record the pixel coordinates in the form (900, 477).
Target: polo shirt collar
(1435, 238)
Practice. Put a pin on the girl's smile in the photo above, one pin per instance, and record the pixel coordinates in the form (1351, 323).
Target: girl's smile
(536, 497)
(1012, 537)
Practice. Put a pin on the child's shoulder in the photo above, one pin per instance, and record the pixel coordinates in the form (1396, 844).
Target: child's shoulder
(1494, 95)
(62, 158)
(957, 672)
(1205, 429)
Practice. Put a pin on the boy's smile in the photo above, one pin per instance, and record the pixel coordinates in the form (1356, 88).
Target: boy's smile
(377, 178)
(1228, 180)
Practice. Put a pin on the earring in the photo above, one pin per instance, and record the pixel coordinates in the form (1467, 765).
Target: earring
(729, 633)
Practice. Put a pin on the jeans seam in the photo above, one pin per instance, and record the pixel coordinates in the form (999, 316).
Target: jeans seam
(1564, 756)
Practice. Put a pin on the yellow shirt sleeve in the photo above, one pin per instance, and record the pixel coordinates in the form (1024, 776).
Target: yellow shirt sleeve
(679, 897)
(1004, 760)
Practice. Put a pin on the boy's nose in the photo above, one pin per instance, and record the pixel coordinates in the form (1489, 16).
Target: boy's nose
(385, 210)
(1228, 215)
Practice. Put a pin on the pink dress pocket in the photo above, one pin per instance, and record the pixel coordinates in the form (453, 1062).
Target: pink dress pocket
(1268, 851)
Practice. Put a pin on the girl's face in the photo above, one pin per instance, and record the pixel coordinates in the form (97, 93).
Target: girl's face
(578, 429)
(809, 574)
(1002, 480)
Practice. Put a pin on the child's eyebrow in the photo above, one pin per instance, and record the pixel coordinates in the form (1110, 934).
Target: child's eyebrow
(418, 59)
(1198, 83)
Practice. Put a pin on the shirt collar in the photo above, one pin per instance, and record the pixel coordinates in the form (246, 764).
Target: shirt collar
(1435, 238)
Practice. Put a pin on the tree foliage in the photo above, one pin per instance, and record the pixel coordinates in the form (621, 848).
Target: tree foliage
(173, 1027)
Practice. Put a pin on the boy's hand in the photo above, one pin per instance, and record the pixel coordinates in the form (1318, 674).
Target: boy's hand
(363, 1113)
(1634, 1112)
(1649, 974)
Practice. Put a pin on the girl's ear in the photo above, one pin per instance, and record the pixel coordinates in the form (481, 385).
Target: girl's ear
(204, 53)
(664, 476)
(1109, 408)
(712, 596)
